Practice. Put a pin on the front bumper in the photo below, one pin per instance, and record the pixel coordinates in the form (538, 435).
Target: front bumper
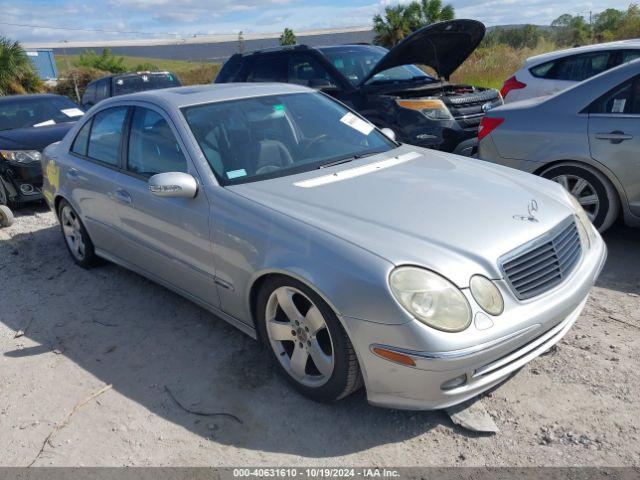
(537, 326)
(23, 182)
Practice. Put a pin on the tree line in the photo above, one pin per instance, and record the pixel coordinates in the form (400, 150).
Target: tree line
(398, 21)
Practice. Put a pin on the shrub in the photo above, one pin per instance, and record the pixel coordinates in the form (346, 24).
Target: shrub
(83, 76)
(106, 61)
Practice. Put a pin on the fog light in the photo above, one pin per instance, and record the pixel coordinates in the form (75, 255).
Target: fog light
(454, 382)
(26, 188)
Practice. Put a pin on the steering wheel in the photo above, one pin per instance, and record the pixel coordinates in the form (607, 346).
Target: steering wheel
(267, 169)
(313, 141)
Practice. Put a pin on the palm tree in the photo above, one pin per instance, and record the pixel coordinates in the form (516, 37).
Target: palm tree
(16, 71)
(432, 11)
(397, 23)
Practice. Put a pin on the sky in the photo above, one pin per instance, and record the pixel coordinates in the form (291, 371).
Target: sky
(148, 19)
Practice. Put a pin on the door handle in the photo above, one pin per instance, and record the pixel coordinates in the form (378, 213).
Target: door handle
(72, 174)
(123, 196)
(614, 137)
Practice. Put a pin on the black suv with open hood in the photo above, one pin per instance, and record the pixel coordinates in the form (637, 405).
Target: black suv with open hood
(386, 86)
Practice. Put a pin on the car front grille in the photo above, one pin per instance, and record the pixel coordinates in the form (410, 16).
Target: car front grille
(468, 109)
(540, 265)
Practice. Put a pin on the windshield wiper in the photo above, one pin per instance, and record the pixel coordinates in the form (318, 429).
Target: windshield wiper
(350, 158)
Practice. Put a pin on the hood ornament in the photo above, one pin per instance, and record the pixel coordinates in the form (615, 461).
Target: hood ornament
(532, 209)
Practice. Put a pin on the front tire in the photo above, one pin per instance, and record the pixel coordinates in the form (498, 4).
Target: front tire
(4, 196)
(6, 216)
(76, 237)
(306, 340)
(590, 188)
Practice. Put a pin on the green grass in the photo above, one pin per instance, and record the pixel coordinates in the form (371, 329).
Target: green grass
(189, 72)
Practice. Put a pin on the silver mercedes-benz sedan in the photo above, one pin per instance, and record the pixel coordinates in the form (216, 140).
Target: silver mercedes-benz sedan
(354, 259)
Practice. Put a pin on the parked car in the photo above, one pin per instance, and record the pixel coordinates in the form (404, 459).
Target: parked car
(549, 73)
(385, 86)
(425, 275)
(586, 138)
(28, 123)
(124, 83)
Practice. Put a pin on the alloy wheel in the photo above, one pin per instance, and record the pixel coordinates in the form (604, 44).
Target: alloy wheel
(72, 232)
(583, 191)
(299, 336)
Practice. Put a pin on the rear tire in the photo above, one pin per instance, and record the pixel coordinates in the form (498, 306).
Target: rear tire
(6, 216)
(591, 188)
(328, 369)
(76, 237)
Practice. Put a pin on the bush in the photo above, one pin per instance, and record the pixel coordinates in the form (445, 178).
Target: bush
(491, 66)
(106, 61)
(83, 76)
(200, 75)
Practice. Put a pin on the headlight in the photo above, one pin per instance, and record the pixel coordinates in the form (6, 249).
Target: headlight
(431, 298)
(432, 108)
(21, 156)
(586, 230)
(486, 294)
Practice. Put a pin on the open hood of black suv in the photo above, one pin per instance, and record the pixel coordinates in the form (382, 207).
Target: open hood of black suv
(442, 46)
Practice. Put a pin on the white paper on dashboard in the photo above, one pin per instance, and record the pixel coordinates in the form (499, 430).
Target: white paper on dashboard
(357, 123)
(618, 105)
(72, 112)
(236, 174)
(44, 124)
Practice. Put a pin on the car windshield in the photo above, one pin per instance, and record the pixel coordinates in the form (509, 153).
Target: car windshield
(144, 81)
(25, 112)
(272, 136)
(355, 63)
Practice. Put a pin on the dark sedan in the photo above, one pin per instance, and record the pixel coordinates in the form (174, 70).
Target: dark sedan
(28, 123)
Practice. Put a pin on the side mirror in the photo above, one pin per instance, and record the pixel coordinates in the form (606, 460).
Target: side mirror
(173, 184)
(389, 133)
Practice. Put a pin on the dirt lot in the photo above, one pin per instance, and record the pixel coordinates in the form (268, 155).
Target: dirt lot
(86, 330)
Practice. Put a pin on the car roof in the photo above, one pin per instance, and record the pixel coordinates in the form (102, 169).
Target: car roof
(619, 45)
(180, 97)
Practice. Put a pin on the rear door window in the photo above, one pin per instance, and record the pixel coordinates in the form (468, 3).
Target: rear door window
(629, 55)
(106, 135)
(576, 68)
(81, 141)
(622, 100)
(89, 97)
(102, 89)
(306, 70)
(272, 68)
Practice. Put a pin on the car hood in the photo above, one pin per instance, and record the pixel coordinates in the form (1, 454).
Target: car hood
(442, 46)
(453, 215)
(33, 138)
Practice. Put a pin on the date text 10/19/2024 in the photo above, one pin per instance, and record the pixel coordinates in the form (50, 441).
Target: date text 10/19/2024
(324, 472)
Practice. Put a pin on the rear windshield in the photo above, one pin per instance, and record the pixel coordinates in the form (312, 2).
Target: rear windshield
(24, 112)
(144, 81)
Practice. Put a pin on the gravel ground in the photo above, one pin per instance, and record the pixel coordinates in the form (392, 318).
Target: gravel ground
(94, 365)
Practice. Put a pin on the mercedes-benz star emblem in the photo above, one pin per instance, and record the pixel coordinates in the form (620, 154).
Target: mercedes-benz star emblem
(532, 208)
